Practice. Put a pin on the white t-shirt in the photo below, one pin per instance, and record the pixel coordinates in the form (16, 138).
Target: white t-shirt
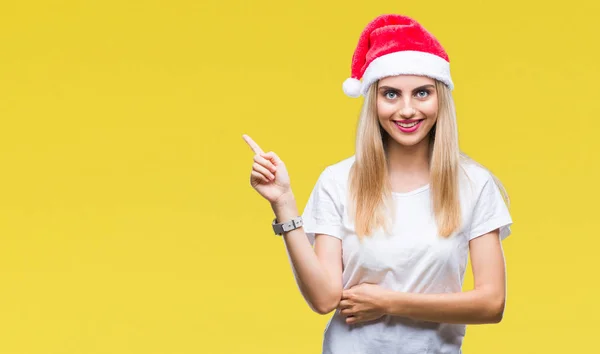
(414, 259)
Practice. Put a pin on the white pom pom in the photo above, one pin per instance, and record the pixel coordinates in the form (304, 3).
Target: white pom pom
(351, 87)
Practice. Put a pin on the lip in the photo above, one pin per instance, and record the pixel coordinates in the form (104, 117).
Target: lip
(411, 129)
(408, 120)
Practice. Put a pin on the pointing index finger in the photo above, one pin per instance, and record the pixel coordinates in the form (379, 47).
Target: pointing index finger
(254, 146)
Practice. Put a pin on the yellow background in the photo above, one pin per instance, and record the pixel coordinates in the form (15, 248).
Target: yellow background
(127, 221)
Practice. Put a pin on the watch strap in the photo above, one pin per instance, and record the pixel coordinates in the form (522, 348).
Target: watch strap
(280, 228)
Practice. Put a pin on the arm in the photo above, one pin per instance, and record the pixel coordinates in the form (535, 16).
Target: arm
(483, 304)
(318, 271)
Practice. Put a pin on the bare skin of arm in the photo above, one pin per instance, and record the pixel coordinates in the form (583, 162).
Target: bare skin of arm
(484, 304)
(318, 271)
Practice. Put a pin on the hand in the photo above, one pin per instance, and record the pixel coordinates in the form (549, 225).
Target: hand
(363, 302)
(269, 176)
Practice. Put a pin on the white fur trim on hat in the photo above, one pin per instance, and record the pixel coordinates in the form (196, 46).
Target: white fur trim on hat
(407, 63)
(351, 87)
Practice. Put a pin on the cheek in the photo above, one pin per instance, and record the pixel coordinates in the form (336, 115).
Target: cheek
(430, 108)
(385, 110)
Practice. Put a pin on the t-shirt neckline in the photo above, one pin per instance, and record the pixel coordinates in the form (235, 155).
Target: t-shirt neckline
(409, 193)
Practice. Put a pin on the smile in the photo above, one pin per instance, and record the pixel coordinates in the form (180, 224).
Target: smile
(408, 127)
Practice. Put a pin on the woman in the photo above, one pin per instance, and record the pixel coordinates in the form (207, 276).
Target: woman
(392, 225)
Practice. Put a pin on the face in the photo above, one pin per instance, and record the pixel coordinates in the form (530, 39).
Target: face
(404, 100)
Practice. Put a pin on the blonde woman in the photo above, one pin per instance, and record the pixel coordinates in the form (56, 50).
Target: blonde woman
(384, 238)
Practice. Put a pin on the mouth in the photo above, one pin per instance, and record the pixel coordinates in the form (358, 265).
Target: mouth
(408, 125)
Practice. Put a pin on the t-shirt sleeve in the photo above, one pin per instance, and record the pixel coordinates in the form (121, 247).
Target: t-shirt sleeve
(490, 212)
(323, 211)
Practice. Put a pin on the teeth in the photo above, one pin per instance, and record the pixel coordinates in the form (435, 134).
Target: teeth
(407, 125)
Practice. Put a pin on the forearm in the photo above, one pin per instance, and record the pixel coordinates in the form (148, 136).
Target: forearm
(470, 307)
(312, 279)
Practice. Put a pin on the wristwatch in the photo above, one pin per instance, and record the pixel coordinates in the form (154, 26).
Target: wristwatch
(293, 224)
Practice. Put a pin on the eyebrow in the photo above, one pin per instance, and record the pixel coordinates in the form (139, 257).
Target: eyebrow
(416, 89)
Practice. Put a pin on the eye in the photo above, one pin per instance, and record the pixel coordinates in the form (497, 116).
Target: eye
(390, 95)
(422, 93)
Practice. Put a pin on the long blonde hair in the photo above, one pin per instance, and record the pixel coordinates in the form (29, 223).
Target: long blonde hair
(369, 175)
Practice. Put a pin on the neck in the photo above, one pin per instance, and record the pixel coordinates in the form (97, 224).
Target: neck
(408, 162)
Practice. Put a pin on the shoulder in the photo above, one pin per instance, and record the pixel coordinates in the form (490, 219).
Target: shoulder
(333, 180)
(339, 171)
(474, 175)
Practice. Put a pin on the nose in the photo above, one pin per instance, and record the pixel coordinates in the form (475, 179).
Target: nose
(407, 111)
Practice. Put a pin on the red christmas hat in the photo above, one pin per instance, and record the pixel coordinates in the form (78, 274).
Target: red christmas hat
(394, 45)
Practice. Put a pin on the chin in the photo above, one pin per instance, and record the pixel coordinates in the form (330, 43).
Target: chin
(408, 139)
(409, 142)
